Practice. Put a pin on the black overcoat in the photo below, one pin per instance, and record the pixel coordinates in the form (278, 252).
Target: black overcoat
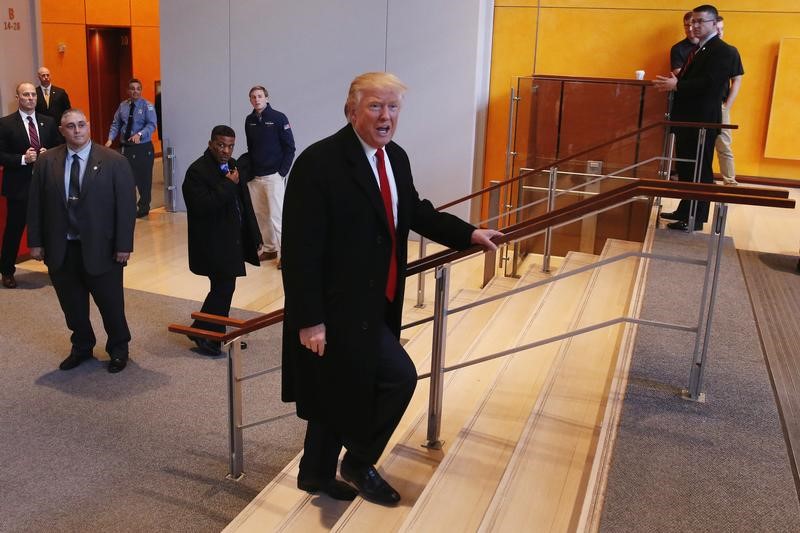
(219, 243)
(336, 250)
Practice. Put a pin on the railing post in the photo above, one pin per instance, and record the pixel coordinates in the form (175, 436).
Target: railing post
(715, 243)
(421, 275)
(168, 170)
(666, 161)
(235, 410)
(548, 233)
(490, 258)
(698, 171)
(437, 357)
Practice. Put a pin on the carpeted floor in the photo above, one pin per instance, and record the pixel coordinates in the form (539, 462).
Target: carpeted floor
(774, 287)
(721, 465)
(143, 450)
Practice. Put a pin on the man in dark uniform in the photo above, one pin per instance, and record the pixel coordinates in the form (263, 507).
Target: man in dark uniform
(698, 91)
(223, 232)
(270, 144)
(134, 122)
(680, 50)
(24, 136)
(80, 222)
(350, 204)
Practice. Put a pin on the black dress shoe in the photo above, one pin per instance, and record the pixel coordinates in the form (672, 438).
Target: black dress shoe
(207, 347)
(9, 282)
(370, 484)
(117, 364)
(73, 360)
(684, 226)
(338, 490)
(672, 216)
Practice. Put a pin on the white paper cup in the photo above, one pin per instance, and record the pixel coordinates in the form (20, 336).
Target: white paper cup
(639, 74)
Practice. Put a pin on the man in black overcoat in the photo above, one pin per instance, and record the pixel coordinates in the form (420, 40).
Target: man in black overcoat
(223, 232)
(50, 100)
(84, 234)
(699, 89)
(349, 206)
(24, 136)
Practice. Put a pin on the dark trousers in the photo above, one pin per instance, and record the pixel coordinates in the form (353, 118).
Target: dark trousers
(140, 156)
(686, 148)
(73, 286)
(395, 381)
(218, 301)
(12, 235)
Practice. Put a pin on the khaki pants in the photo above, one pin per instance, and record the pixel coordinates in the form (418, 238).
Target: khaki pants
(723, 148)
(266, 193)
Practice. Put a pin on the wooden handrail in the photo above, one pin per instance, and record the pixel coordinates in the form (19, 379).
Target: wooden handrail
(707, 125)
(642, 187)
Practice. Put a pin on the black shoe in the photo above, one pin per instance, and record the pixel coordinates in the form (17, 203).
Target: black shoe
(338, 490)
(142, 214)
(207, 347)
(672, 216)
(370, 484)
(73, 360)
(684, 226)
(117, 364)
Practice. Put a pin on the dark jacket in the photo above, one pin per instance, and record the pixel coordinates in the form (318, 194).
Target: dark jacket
(703, 83)
(106, 209)
(223, 232)
(14, 143)
(59, 102)
(336, 250)
(270, 142)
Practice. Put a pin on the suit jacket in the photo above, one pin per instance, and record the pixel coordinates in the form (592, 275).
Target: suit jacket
(59, 102)
(14, 143)
(106, 209)
(222, 234)
(336, 249)
(703, 83)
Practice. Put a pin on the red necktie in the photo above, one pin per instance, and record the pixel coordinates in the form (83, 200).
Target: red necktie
(689, 60)
(35, 144)
(386, 194)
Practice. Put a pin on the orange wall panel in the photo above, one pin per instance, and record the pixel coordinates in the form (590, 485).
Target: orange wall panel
(144, 13)
(68, 70)
(63, 11)
(108, 12)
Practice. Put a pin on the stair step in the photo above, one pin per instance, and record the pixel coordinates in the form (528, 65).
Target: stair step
(544, 482)
(470, 473)
(409, 466)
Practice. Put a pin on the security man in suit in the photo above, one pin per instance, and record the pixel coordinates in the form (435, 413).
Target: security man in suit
(24, 136)
(698, 90)
(134, 122)
(50, 100)
(349, 206)
(81, 217)
(223, 231)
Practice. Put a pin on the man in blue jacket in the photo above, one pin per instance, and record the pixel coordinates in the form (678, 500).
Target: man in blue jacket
(271, 147)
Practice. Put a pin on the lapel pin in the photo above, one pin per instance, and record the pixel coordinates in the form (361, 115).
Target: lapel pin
(94, 168)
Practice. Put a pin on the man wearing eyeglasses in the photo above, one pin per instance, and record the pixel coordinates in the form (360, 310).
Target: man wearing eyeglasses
(699, 88)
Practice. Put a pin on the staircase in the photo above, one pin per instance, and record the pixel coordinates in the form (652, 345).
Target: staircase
(519, 432)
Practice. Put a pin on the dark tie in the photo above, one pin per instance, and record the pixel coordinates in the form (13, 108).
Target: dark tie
(689, 60)
(74, 195)
(35, 144)
(129, 128)
(386, 194)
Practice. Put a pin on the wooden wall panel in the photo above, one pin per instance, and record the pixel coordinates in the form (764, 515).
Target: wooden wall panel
(108, 12)
(784, 128)
(144, 13)
(63, 11)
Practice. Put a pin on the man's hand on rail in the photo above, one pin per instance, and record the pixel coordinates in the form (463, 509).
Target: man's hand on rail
(313, 338)
(483, 237)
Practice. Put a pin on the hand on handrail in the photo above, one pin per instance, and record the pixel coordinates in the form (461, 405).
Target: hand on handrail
(483, 237)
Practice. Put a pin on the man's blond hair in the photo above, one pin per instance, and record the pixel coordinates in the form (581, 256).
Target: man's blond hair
(375, 81)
